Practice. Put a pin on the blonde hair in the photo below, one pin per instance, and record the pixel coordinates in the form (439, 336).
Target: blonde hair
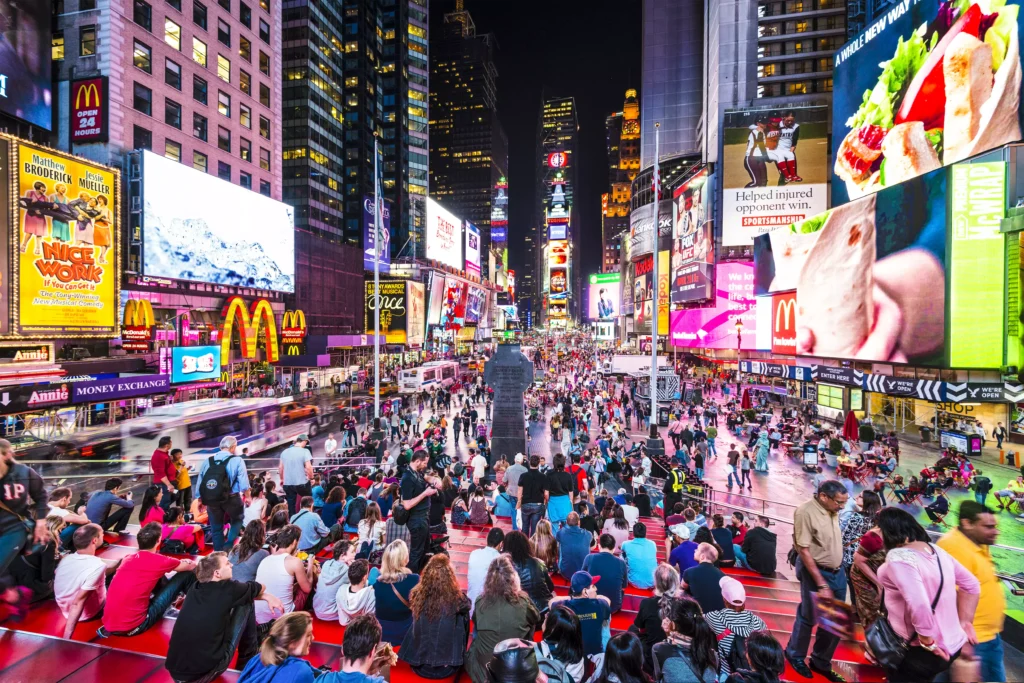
(545, 547)
(393, 564)
(705, 553)
(55, 525)
(502, 582)
(284, 634)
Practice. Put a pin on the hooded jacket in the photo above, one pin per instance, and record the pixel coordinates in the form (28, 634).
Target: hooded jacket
(351, 605)
(759, 547)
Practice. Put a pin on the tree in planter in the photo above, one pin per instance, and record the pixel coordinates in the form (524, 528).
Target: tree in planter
(866, 433)
(835, 446)
(750, 414)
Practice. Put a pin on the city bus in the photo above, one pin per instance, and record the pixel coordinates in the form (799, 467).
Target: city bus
(436, 373)
(197, 427)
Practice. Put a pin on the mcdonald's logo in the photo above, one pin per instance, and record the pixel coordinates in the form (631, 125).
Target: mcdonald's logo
(91, 93)
(250, 320)
(293, 327)
(784, 326)
(89, 111)
(138, 313)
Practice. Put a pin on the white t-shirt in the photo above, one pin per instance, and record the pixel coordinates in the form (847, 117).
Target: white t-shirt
(479, 466)
(254, 510)
(76, 572)
(57, 512)
(479, 562)
(330, 446)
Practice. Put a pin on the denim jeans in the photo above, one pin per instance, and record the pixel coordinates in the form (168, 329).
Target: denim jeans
(532, 513)
(746, 478)
(515, 522)
(419, 537)
(13, 535)
(242, 630)
(228, 512)
(731, 475)
(741, 557)
(118, 520)
(800, 639)
(168, 497)
(293, 492)
(163, 597)
(700, 473)
(991, 655)
(711, 448)
(980, 497)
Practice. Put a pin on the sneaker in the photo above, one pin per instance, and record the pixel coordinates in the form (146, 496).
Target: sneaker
(829, 674)
(800, 666)
(101, 632)
(172, 613)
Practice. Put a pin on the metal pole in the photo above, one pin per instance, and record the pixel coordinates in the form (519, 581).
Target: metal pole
(376, 285)
(654, 296)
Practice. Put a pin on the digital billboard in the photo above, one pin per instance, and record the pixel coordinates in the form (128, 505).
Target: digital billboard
(371, 236)
(25, 59)
(641, 228)
(68, 275)
(558, 232)
(474, 304)
(774, 170)
(693, 241)
(223, 234)
(714, 327)
(472, 249)
(558, 253)
(559, 281)
(643, 293)
(436, 302)
(393, 306)
(453, 304)
(604, 296)
(444, 235)
(783, 323)
(869, 276)
(927, 84)
(193, 363)
(416, 319)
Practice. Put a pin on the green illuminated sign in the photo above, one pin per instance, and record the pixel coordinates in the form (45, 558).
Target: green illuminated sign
(604, 278)
(977, 257)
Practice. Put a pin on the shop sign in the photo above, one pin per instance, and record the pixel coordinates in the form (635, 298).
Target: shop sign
(927, 389)
(121, 387)
(975, 393)
(89, 108)
(25, 353)
(25, 398)
(293, 333)
(849, 376)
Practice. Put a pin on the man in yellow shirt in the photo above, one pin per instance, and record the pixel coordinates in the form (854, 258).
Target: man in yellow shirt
(1014, 490)
(968, 543)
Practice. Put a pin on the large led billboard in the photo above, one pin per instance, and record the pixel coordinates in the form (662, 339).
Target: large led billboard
(869, 276)
(393, 303)
(926, 84)
(453, 303)
(435, 302)
(604, 296)
(472, 249)
(774, 170)
(693, 241)
(416, 318)
(67, 279)
(25, 59)
(714, 327)
(444, 235)
(201, 228)
(373, 237)
(641, 228)
(193, 363)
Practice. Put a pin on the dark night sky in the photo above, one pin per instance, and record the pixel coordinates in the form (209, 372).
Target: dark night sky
(588, 49)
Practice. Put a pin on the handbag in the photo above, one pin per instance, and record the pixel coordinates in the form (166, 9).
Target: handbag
(887, 647)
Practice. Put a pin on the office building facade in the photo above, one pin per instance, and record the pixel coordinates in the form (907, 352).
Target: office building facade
(622, 131)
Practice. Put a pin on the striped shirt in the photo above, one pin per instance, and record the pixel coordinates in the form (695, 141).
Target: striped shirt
(739, 624)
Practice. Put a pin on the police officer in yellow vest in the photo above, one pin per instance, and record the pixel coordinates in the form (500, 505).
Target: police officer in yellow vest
(673, 488)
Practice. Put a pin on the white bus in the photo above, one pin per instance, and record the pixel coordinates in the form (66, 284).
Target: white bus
(436, 373)
(196, 427)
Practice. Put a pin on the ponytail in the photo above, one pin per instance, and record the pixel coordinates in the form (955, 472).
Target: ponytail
(286, 631)
(688, 620)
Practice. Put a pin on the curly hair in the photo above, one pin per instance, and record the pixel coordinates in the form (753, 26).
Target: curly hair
(437, 594)
(502, 582)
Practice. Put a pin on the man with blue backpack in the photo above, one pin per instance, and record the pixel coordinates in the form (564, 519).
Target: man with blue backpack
(222, 479)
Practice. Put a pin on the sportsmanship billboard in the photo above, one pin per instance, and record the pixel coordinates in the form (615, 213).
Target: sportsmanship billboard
(604, 296)
(416, 320)
(444, 236)
(869, 276)
(393, 306)
(25, 60)
(715, 327)
(371, 236)
(927, 84)
(472, 249)
(775, 170)
(192, 363)
(223, 234)
(68, 279)
(693, 242)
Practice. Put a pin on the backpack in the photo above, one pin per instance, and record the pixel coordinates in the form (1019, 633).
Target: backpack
(173, 546)
(555, 670)
(356, 510)
(737, 657)
(215, 487)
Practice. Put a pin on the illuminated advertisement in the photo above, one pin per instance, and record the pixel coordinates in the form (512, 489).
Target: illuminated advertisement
(558, 232)
(783, 324)
(558, 308)
(715, 327)
(927, 84)
(559, 281)
(472, 249)
(444, 235)
(604, 296)
(474, 304)
(558, 160)
(68, 278)
(628, 271)
(416, 319)
(436, 302)
(643, 293)
(224, 234)
(664, 277)
(192, 363)
(371, 237)
(512, 285)
(393, 306)
(869, 276)
(453, 304)
(499, 235)
(25, 78)
(641, 228)
(693, 242)
(499, 206)
(977, 252)
(775, 170)
(90, 109)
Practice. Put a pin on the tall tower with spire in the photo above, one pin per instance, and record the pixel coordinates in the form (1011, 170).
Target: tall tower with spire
(623, 137)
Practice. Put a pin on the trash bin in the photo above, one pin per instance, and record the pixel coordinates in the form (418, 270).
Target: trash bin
(663, 412)
(926, 434)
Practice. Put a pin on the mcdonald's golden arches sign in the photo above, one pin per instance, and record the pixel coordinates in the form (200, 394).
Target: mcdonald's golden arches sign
(249, 320)
(293, 333)
(89, 108)
(137, 325)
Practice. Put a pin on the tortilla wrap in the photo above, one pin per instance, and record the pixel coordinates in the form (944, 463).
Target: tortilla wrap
(789, 251)
(834, 293)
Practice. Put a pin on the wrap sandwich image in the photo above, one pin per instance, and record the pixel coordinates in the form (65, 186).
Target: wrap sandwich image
(950, 91)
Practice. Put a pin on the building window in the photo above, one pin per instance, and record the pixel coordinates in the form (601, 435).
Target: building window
(172, 150)
(226, 4)
(245, 149)
(172, 34)
(199, 161)
(142, 58)
(265, 95)
(244, 82)
(265, 159)
(199, 126)
(264, 63)
(143, 99)
(143, 15)
(172, 74)
(799, 88)
(265, 188)
(224, 138)
(245, 115)
(223, 32)
(172, 113)
(224, 171)
(87, 41)
(245, 15)
(265, 127)
(224, 68)
(245, 180)
(199, 52)
(176, 4)
(199, 89)
(199, 14)
(224, 103)
(142, 138)
(244, 48)
(265, 32)
(57, 46)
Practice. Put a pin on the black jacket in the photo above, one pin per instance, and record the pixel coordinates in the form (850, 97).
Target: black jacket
(534, 579)
(747, 676)
(438, 643)
(759, 547)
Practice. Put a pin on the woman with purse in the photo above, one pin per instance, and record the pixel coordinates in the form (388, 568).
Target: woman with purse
(925, 621)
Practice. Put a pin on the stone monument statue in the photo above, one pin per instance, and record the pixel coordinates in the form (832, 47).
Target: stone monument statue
(509, 373)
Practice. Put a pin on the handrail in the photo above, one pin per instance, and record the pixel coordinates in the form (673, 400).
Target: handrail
(747, 511)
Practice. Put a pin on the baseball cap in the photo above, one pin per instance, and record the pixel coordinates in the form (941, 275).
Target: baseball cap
(581, 581)
(732, 591)
(680, 530)
(302, 437)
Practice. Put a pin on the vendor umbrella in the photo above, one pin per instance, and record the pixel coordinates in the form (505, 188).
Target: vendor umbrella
(746, 404)
(851, 428)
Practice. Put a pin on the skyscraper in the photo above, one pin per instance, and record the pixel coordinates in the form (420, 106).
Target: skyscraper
(795, 43)
(622, 130)
(469, 150)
